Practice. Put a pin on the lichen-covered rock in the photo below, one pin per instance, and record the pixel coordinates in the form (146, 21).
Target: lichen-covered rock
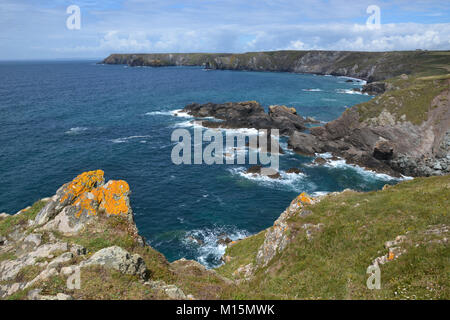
(70, 193)
(119, 259)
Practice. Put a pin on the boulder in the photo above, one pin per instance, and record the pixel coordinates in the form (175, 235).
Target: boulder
(305, 144)
(294, 170)
(320, 161)
(383, 150)
(119, 259)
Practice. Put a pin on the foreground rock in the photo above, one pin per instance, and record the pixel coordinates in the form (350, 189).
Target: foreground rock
(43, 254)
(250, 114)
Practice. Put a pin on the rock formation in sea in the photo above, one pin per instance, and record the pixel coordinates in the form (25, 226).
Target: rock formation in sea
(248, 114)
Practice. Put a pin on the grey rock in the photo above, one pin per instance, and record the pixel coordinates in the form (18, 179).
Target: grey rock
(119, 259)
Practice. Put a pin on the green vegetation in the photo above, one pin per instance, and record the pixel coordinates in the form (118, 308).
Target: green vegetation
(8, 224)
(409, 98)
(239, 254)
(333, 264)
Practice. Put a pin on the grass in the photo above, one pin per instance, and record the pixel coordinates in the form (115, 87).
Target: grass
(7, 256)
(239, 254)
(8, 224)
(411, 98)
(333, 264)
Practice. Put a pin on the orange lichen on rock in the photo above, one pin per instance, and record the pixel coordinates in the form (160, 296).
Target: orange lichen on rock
(113, 197)
(84, 182)
(304, 198)
(391, 255)
(89, 194)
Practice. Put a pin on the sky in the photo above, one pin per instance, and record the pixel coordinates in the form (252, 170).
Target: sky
(38, 29)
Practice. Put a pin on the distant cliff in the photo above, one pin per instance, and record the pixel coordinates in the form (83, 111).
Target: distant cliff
(370, 66)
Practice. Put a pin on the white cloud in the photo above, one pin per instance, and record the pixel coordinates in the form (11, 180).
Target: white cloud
(37, 30)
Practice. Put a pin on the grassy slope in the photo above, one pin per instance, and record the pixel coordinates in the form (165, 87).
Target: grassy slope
(333, 264)
(411, 97)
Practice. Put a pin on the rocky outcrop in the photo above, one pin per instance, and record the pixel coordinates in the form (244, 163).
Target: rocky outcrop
(374, 88)
(249, 114)
(117, 258)
(45, 247)
(377, 137)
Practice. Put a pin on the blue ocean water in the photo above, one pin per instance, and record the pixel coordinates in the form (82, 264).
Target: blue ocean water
(59, 119)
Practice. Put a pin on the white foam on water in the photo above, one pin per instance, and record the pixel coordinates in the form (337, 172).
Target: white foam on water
(159, 113)
(312, 90)
(293, 181)
(127, 139)
(319, 193)
(189, 124)
(76, 130)
(350, 91)
(342, 164)
(356, 80)
(180, 113)
(206, 246)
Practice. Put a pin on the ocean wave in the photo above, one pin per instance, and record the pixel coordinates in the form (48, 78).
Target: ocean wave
(350, 91)
(180, 113)
(159, 113)
(76, 130)
(292, 181)
(312, 90)
(204, 242)
(356, 80)
(342, 164)
(127, 139)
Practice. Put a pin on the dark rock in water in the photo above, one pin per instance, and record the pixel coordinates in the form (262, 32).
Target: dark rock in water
(257, 169)
(305, 144)
(294, 170)
(334, 158)
(224, 241)
(198, 241)
(320, 161)
(286, 119)
(383, 150)
(249, 114)
(374, 88)
(311, 120)
(275, 176)
(254, 169)
(349, 80)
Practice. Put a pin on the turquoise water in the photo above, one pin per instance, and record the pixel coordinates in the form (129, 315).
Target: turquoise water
(59, 119)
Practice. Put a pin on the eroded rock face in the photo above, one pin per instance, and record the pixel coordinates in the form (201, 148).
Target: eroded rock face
(277, 237)
(249, 114)
(384, 143)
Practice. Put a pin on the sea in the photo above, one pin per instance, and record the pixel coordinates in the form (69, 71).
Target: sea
(61, 118)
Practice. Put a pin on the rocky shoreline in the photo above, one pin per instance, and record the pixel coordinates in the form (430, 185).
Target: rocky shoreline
(370, 66)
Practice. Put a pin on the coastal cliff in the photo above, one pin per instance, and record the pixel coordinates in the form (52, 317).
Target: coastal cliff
(370, 66)
(405, 130)
(86, 232)
(82, 243)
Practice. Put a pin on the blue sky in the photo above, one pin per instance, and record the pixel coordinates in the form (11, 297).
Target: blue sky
(31, 29)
